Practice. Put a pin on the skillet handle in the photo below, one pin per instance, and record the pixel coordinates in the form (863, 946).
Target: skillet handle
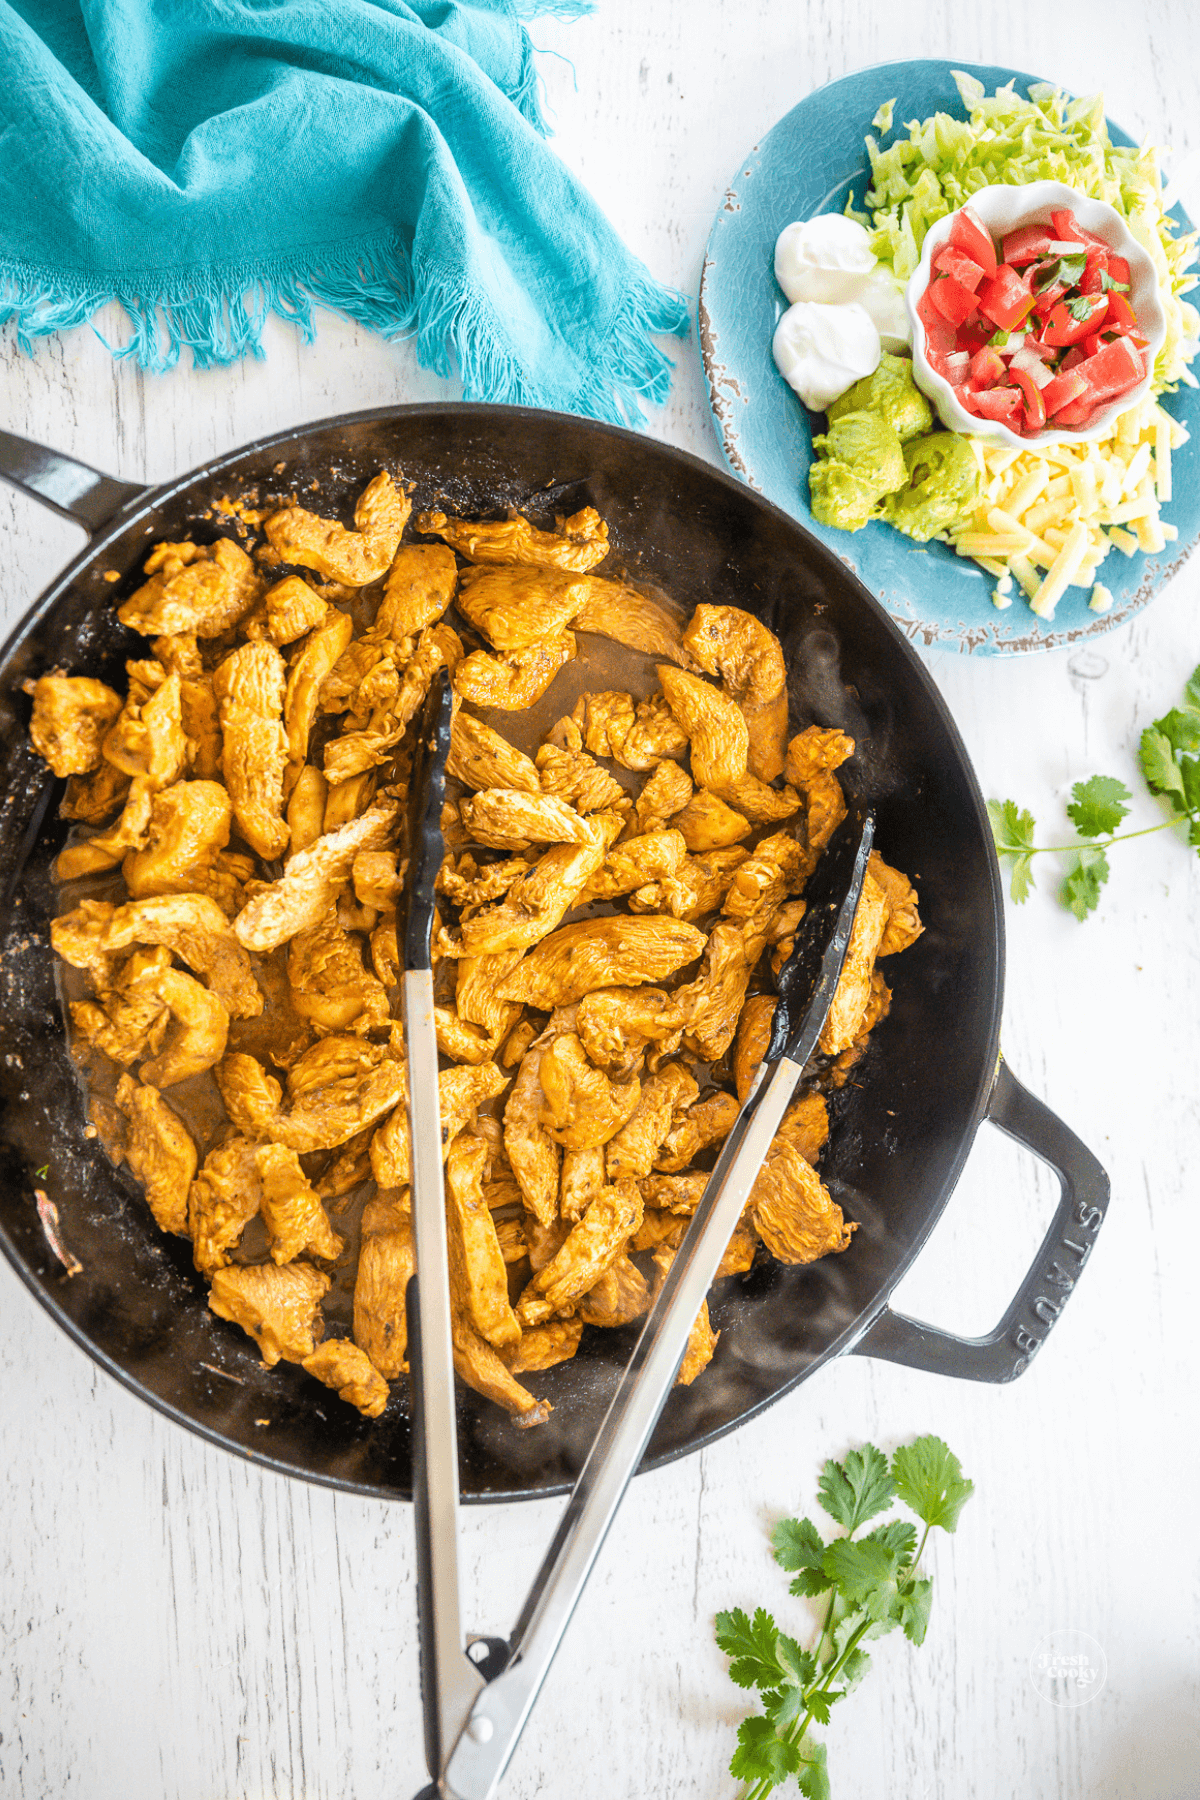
(1007, 1351)
(70, 487)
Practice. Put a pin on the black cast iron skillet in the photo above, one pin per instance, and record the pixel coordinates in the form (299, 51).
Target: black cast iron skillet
(902, 1128)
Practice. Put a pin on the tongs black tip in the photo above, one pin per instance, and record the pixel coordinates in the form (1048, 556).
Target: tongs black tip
(427, 795)
(832, 896)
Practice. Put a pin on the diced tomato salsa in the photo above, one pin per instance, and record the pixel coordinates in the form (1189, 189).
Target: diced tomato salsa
(1044, 318)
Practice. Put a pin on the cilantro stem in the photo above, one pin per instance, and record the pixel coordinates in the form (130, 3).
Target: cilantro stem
(1104, 842)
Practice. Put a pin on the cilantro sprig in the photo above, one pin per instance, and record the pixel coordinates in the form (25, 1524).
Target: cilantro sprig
(873, 1587)
(1066, 270)
(1169, 754)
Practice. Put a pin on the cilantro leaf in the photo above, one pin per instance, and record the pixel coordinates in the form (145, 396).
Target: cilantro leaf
(1020, 884)
(1191, 692)
(1181, 728)
(1098, 806)
(853, 1669)
(761, 1755)
(915, 1602)
(895, 1534)
(820, 1705)
(1159, 766)
(1065, 269)
(751, 1645)
(1085, 877)
(929, 1480)
(785, 1706)
(814, 1776)
(857, 1569)
(1108, 285)
(1189, 768)
(799, 1545)
(1012, 829)
(797, 1665)
(854, 1491)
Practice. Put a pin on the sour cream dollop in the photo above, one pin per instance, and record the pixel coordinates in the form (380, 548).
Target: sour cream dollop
(827, 259)
(883, 297)
(822, 349)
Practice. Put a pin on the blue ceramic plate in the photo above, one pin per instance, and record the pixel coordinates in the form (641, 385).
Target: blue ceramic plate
(808, 164)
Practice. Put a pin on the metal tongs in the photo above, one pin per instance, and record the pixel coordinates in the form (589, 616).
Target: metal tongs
(477, 1700)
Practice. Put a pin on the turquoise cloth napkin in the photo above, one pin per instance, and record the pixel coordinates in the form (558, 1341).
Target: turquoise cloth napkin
(209, 162)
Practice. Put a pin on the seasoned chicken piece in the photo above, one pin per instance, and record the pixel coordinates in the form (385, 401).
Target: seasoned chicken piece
(249, 685)
(314, 660)
(579, 544)
(147, 740)
(792, 1211)
(353, 558)
(280, 1308)
(312, 879)
(583, 1109)
(349, 1168)
(680, 1194)
(480, 758)
(708, 1122)
(103, 850)
(714, 726)
(638, 737)
(782, 932)
(812, 756)
(197, 1037)
(616, 1024)
(391, 1146)
(190, 925)
(71, 718)
(706, 823)
(349, 799)
(632, 1151)
(598, 1239)
(481, 1367)
(128, 1020)
(566, 770)
(805, 1126)
(376, 879)
(438, 647)
(419, 588)
(761, 804)
(733, 644)
(879, 1003)
(532, 1153)
(615, 611)
(621, 1295)
(854, 984)
(697, 887)
(385, 1266)
(582, 1179)
(78, 937)
(222, 1200)
(514, 682)
(701, 1344)
(665, 792)
(189, 824)
(775, 868)
(538, 901)
(342, 1366)
(658, 1229)
(288, 609)
(478, 1274)
(740, 1251)
(753, 1036)
(194, 590)
(513, 607)
(463, 1042)
(475, 991)
(385, 951)
(511, 819)
(470, 885)
(319, 1120)
(292, 1212)
(904, 925)
(91, 799)
(330, 985)
(517, 1042)
(462, 1092)
(714, 1000)
(635, 862)
(330, 1060)
(544, 1346)
(197, 703)
(613, 952)
(159, 1151)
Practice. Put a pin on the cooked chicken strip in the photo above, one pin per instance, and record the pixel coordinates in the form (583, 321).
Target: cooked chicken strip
(589, 1248)
(295, 1219)
(480, 758)
(159, 1151)
(812, 756)
(582, 1179)
(128, 1020)
(579, 545)
(567, 770)
(478, 1275)
(774, 869)
(280, 1308)
(545, 1346)
(632, 1151)
(634, 862)
(733, 644)
(708, 1122)
(638, 737)
(147, 739)
(311, 880)
(419, 588)
(249, 685)
(71, 718)
(714, 999)
(481, 1367)
(316, 1121)
(222, 1200)
(513, 607)
(512, 819)
(904, 925)
(342, 1366)
(385, 1266)
(697, 887)
(289, 609)
(91, 799)
(613, 952)
(621, 1295)
(330, 985)
(854, 984)
(353, 558)
(316, 657)
(615, 1024)
(196, 1041)
(792, 1210)
(514, 682)
(193, 590)
(189, 825)
(706, 823)
(665, 792)
(615, 611)
(753, 1036)
(537, 901)
(532, 1152)
(190, 925)
(583, 1107)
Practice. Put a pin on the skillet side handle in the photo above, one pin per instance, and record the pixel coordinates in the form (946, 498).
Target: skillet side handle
(1007, 1351)
(71, 488)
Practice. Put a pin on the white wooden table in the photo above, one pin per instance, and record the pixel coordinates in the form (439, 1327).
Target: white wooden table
(177, 1625)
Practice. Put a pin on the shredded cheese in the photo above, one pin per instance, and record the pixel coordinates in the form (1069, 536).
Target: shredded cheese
(1061, 507)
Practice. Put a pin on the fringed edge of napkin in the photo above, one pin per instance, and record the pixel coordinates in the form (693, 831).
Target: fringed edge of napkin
(221, 319)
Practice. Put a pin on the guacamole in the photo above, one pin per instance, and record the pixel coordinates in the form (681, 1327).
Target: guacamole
(944, 480)
(891, 391)
(859, 461)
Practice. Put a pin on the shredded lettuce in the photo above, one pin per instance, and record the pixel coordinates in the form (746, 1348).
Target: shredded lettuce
(1008, 140)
